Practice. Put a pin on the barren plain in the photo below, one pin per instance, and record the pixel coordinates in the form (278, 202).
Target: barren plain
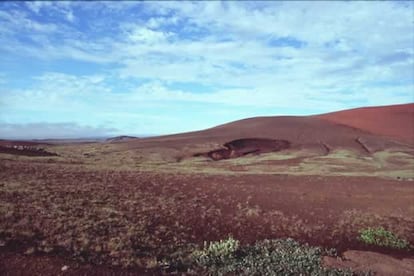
(132, 206)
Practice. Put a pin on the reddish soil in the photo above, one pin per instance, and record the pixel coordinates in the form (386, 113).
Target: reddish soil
(395, 121)
(13, 262)
(383, 265)
(323, 211)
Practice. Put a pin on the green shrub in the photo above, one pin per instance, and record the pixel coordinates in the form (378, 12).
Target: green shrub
(268, 257)
(216, 253)
(381, 237)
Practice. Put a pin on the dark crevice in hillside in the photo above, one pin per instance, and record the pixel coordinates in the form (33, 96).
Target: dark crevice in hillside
(241, 147)
(362, 144)
(325, 147)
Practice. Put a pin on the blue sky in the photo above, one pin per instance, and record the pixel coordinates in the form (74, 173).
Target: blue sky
(82, 69)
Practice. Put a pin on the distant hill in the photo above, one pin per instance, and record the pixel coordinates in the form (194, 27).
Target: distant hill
(121, 138)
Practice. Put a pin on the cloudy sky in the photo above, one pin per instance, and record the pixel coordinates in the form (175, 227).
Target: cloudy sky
(73, 69)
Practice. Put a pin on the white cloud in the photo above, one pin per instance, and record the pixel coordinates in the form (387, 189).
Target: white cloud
(144, 35)
(18, 21)
(69, 16)
(36, 6)
(61, 7)
(234, 42)
(344, 54)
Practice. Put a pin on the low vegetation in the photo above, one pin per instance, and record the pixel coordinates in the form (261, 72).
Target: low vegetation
(159, 221)
(381, 237)
(267, 257)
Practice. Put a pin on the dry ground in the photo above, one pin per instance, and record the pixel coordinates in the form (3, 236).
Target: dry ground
(108, 204)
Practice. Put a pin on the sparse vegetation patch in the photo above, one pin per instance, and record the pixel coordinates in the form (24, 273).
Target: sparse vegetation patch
(267, 257)
(381, 237)
(157, 221)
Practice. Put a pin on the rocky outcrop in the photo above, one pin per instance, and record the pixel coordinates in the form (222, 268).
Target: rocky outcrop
(25, 150)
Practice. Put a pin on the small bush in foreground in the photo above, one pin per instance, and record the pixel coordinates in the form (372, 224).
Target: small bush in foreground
(216, 253)
(381, 237)
(267, 257)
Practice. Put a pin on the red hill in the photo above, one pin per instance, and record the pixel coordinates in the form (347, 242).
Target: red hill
(365, 130)
(396, 121)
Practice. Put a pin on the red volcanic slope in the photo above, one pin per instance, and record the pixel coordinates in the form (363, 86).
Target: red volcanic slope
(396, 121)
(326, 132)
